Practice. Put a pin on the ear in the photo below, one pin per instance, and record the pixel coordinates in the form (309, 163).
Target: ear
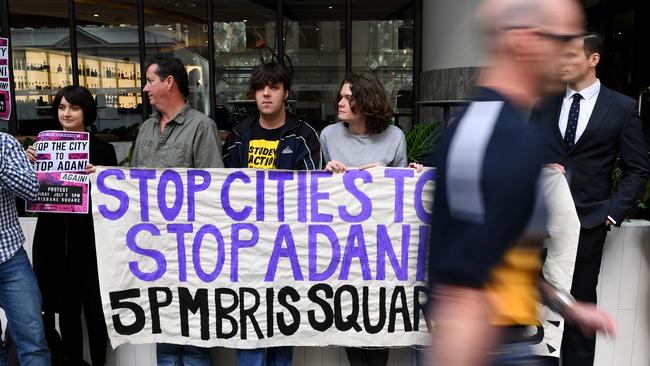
(594, 59)
(286, 95)
(169, 81)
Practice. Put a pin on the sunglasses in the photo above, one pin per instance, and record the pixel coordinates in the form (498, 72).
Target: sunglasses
(562, 38)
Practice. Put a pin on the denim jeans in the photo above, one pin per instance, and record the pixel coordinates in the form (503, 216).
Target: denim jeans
(20, 298)
(515, 354)
(182, 355)
(275, 356)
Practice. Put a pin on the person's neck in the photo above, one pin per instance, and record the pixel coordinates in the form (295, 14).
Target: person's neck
(517, 87)
(271, 122)
(357, 127)
(80, 129)
(170, 110)
(584, 83)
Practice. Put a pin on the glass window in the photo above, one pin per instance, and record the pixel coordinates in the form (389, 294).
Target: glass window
(314, 54)
(109, 64)
(382, 44)
(244, 36)
(180, 29)
(41, 60)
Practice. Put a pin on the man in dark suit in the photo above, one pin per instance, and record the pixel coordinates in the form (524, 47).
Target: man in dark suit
(584, 131)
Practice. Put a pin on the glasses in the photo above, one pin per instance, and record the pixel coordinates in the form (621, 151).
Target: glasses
(562, 38)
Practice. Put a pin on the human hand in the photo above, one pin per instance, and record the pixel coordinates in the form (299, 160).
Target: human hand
(418, 167)
(90, 169)
(336, 166)
(557, 167)
(31, 153)
(590, 319)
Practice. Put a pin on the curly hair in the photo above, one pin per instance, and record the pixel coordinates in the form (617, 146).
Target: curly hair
(369, 99)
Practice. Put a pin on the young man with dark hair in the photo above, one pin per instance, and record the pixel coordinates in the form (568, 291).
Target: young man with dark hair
(271, 139)
(176, 136)
(584, 131)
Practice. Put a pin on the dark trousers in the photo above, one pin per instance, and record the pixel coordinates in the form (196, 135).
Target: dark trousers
(577, 349)
(81, 291)
(367, 356)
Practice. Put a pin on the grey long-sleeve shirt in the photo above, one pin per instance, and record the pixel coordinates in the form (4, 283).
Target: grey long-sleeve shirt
(387, 148)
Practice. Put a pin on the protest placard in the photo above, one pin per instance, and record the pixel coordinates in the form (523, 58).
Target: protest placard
(5, 87)
(60, 166)
(261, 258)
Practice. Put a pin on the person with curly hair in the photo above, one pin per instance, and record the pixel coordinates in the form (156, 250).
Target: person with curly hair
(364, 138)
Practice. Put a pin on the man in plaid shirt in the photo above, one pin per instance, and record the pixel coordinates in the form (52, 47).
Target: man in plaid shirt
(20, 297)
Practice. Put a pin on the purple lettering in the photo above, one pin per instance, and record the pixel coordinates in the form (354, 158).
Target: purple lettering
(283, 235)
(170, 213)
(259, 189)
(355, 235)
(143, 175)
(423, 245)
(316, 196)
(193, 188)
(158, 257)
(196, 252)
(225, 197)
(302, 196)
(366, 205)
(398, 175)
(280, 176)
(385, 248)
(120, 195)
(333, 240)
(180, 230)
(238, 243)
(423, 214)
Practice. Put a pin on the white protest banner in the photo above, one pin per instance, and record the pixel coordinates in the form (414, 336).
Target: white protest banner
(61, 159)
(261, 258)
(561, 249)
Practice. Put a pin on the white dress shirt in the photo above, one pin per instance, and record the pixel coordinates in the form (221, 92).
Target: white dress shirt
(587, 104)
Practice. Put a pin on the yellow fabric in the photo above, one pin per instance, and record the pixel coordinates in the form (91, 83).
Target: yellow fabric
(513, 289)
(262, 153)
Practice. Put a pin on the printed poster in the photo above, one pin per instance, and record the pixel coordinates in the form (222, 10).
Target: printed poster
(60, 167)
(5, 88)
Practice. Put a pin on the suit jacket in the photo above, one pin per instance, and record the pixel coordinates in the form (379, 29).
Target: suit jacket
(614, 128)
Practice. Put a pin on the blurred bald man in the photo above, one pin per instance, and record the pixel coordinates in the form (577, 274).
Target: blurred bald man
(489, 220)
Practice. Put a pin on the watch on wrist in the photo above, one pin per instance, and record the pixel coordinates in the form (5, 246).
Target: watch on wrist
(561, 302)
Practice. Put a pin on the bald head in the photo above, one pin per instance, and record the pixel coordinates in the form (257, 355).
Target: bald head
(553, 16)
(525, 39)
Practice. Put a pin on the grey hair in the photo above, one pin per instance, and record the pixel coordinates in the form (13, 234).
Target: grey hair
(497, 15)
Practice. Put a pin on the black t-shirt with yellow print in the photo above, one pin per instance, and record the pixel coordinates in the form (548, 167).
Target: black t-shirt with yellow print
(263, 147)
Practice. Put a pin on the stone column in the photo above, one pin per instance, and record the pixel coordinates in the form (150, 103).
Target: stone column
(451, 53)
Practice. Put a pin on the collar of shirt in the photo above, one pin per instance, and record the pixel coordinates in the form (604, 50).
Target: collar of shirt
(587, 93)
(178, 118)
